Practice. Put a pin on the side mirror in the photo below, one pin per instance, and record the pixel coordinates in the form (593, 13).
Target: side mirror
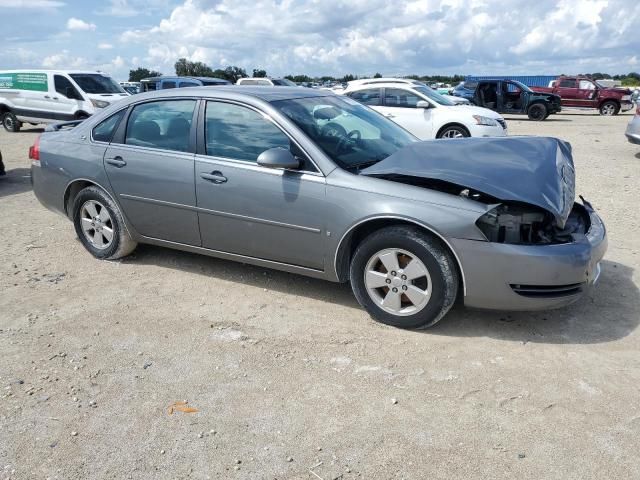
(278, 158)
(423, 104)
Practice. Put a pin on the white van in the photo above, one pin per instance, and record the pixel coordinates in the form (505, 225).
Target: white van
(46, 96)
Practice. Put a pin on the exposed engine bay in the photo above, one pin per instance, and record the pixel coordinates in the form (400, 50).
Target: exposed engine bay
(511, 222)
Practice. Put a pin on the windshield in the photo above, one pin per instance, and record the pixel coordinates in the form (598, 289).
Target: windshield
(283, 82)
(96, 83)
(431, 94)
(352, 135)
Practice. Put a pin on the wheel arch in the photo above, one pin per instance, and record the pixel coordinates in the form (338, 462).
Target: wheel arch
(609, 100)
(76, 186)
(4, 108)
(359, 231)
(452, 124)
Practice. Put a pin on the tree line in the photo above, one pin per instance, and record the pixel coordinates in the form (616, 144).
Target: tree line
(187, 68)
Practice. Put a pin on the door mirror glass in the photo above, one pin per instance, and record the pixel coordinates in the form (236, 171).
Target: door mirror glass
(278, 158)
(423, 104)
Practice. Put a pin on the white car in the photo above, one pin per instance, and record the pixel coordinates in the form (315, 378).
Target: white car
(405, 81)
(426, 113)
(46, 96)
(266, 82)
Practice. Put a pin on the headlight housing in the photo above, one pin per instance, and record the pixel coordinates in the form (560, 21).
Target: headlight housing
(100, 103)
(486, 121)
(626, 98)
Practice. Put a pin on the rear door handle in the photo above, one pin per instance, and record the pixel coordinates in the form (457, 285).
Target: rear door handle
(116, 162)
(47, 96)
(215, 177)
(389, 115)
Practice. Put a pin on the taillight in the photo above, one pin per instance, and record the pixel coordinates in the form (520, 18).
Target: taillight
(34, 152)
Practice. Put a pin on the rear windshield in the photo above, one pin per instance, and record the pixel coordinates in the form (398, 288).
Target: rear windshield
(283, 82)
(96, 83)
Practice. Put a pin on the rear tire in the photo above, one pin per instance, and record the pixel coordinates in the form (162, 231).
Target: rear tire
(416, 295)
(609, 108)
(10, 122)
(537, 112)
(100, 225)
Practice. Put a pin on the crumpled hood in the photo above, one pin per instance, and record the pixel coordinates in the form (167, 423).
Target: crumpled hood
(534, 170)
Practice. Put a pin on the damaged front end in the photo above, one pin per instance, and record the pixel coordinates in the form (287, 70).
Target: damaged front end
(522, 224)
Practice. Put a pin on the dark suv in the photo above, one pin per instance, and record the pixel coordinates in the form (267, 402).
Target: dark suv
(510, 96)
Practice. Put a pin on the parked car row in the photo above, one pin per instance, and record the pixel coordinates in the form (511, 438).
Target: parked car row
(318, 184)
(511, 96)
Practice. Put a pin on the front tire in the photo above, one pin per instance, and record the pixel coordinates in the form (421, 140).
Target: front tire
(537, 112)
(404, 277)
(10, 122)
(454, 131)
(100, 226)
(609, 108)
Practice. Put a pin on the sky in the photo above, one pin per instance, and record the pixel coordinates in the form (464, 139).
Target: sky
(325, 37)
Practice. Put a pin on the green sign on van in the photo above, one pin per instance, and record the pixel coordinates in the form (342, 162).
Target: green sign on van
(24, 81)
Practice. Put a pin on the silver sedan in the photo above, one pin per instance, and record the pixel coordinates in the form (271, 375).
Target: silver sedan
(312, 183)
(633, 129)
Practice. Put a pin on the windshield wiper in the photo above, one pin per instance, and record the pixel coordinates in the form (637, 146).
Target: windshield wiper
(362, 165)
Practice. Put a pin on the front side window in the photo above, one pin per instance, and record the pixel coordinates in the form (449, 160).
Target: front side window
(163, 124)
(371, 96)
(586, 85)
(351, 134)
(103, 132)
(188, 84)
(168, 84)
(65, 87)
(239, 133)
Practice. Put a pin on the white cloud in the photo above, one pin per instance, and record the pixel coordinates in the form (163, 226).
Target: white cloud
(64, 60)
(360, 36)
(77, 24)
(31, 4)
(105, 46)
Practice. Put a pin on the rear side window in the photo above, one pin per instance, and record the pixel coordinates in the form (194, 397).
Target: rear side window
(163, 124)
(567, 83)
(103, 132)
(370, 96)
(188, 84)
(239, 133)
(166, 85)
(396, 97)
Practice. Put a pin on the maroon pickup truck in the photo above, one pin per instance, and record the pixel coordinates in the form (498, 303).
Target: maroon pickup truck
(583, 92)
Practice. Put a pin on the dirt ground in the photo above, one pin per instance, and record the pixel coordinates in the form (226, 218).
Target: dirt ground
(290, 378)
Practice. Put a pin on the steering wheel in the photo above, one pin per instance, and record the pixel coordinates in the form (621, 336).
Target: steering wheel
(348, 140)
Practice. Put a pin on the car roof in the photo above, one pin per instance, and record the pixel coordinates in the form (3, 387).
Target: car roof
(176, 77)
(389, 84)
(267, 94)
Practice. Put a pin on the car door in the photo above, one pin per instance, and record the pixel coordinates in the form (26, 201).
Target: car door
(65, 101)
(587, 93)
(250, 210)
(150, 165)
(400, 106)
(568, 91)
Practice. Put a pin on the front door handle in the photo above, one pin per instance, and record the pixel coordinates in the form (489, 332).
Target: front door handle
(47, 96)
(215, 177)
(116, 162)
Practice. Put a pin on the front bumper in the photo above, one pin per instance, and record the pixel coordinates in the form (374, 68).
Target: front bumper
(633, 130)
(489, 131)
(531, 277)
(626, 106)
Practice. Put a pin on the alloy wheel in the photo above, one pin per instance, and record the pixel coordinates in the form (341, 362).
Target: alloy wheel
(608, 109)
(453, 133)
(96, 224)
(398, 281)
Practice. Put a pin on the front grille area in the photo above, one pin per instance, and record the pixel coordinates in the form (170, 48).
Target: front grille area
(502, 122)
(547, 291)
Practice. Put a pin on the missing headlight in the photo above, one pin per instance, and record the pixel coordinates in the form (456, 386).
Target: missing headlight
(527, 225)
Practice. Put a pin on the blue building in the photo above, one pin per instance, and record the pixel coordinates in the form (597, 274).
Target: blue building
(529, 80)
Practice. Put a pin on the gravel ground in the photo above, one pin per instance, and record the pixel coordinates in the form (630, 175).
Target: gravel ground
(290, 378)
